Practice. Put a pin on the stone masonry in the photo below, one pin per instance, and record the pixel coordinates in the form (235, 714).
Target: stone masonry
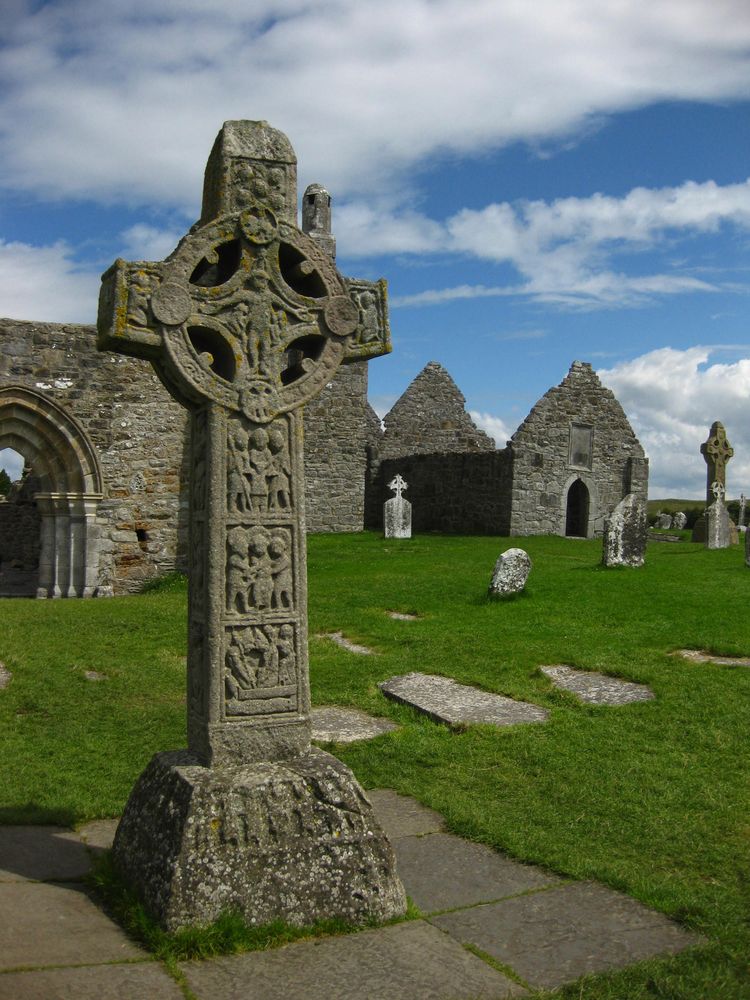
(142, 515)
(574, 458)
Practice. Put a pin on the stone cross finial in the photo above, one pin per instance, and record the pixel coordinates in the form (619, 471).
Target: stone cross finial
(718, 490)
(717, 451)
(398, 485)
(244, 322)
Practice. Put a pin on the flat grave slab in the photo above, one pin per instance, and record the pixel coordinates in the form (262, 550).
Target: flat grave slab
(351, 647)
(402, 816)
(5, 676)
(336, 724)
(402, 962)
(442, 871)
(48, 924)
(444, 700)
(551, 938)
(97, 982)
(41, 853)
(697, 656)
(595, 688)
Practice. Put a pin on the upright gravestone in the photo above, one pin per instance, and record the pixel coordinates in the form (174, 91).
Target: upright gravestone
(625, 533)
(397, 511)
(741, 516)
(679, 520)
(245, 322)
(718, 525)
(716, 451)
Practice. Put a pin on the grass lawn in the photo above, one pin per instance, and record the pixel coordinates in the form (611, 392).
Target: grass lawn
(651, 798)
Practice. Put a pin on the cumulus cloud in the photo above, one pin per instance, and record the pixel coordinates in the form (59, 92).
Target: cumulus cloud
(567, 251)
(122, 100)
(45, 283)
(145, 242)
(671, 398)
(492, 425)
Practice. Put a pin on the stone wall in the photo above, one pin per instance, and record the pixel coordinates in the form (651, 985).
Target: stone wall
(455, 493)
(431, 418)
(19, 535)
(137, 430)
(140, 436)
(337, 435)
(576, 433)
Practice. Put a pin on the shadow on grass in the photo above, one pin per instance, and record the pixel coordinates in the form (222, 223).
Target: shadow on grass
(32, 814)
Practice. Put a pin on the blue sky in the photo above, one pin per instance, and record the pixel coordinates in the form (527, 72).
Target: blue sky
(539, 183)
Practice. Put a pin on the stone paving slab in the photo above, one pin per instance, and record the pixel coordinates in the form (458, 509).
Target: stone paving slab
(696, 656)
(41, 853)
(336, 724)
(444, 700)
(551, 938)
(99, 834)
(351, 647)
(48, 924)
(595, 688)
(441, 872)
(405, 962)
(402, 816)
(144, 981)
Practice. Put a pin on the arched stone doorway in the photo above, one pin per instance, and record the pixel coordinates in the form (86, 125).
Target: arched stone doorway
(577, 510)
(68, 488)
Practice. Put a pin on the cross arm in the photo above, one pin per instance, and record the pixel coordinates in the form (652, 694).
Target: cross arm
(372, 338)
(125, 321)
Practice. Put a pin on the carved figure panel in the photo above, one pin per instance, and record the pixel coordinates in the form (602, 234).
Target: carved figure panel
(259, 472)
(259, 569)
(260, 670)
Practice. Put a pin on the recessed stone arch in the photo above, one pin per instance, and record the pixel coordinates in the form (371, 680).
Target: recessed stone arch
(66, 466)
(580, 506)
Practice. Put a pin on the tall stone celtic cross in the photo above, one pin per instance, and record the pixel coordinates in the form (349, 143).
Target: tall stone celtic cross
(717, 451)
(245, 322)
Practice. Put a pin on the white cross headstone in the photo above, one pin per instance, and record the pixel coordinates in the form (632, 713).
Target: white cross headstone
(397, 511)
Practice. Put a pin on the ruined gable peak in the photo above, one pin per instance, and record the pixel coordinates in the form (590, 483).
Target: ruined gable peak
(431, 417)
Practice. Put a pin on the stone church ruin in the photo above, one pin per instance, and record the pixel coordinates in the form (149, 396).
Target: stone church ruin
(102, 506)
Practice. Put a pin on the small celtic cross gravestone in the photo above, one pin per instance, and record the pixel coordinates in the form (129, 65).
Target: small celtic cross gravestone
(743, 503)
(397, 511)
(717, 451)
(244, 322)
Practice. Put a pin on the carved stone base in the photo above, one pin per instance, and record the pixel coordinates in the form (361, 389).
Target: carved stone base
(295, 841)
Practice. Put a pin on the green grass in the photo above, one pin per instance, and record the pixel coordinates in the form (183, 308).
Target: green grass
(652, 798)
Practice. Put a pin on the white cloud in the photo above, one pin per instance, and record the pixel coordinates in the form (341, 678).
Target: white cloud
(44, 283)
(145, 242)
(122, 100)
(671, 398)
(564, 251)
(492, 425)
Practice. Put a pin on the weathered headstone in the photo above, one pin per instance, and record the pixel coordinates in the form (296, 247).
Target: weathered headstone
(747, 548)
(663, 521)
(510, 573)
(245, 322)
(397, 511)
(679, 520)
(741, 516)
(625, 533)
(718, 524)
